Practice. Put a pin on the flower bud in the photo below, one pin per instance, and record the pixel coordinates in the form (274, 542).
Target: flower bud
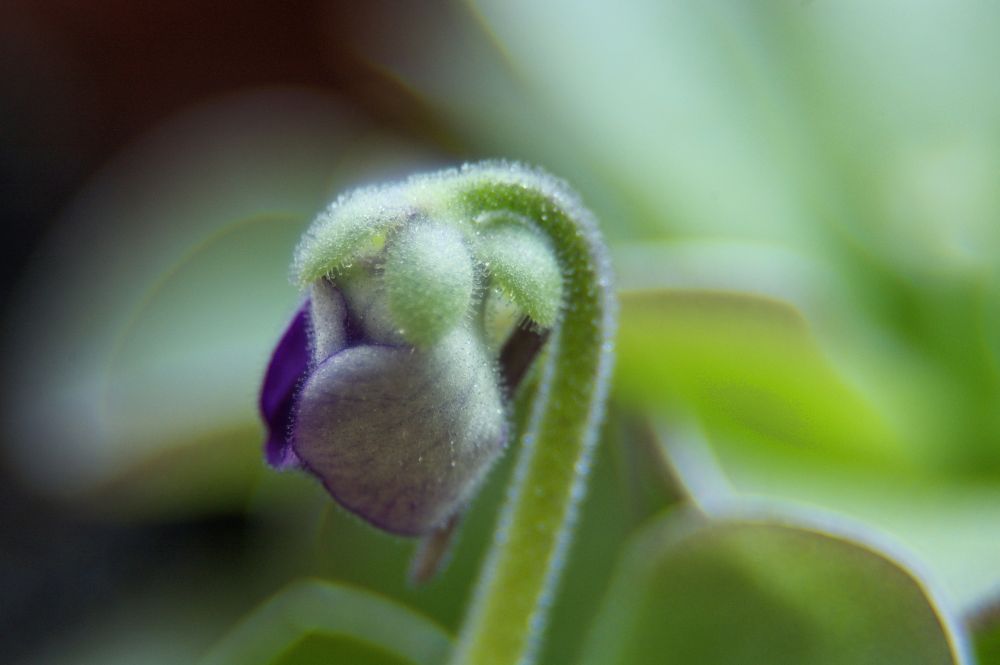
(386, 384)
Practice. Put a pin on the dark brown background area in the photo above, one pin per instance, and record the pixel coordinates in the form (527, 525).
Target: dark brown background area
(78, 82)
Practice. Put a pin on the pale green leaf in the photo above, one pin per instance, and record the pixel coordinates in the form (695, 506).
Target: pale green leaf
(314, 619)
(765, 590)
(751, 369)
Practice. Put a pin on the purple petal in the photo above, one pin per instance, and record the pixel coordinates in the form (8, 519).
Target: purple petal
(286, 371)
(399, 436)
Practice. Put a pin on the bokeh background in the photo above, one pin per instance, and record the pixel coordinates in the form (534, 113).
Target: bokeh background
(814, 183)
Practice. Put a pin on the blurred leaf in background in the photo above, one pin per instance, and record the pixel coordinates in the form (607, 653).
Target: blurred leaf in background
(316, 622)
(749, 590)
(985, 626)
(146, 322)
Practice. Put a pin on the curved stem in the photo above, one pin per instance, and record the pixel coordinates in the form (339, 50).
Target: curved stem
(508, 609)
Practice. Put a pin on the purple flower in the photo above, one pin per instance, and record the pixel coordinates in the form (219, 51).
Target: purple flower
(400, 435)
(387, 385)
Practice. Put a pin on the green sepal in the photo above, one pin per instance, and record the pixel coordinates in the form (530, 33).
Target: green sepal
(429, 280)
(352, 228)
(522, 265)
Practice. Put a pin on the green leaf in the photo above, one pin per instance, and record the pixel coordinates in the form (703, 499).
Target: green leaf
(765, 590)
(784, 424)
(313, 620)
(985, 628)
(324, 649)
(946, 523)
(750, 368)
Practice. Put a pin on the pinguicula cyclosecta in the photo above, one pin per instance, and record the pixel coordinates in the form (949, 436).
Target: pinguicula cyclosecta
(424, 303)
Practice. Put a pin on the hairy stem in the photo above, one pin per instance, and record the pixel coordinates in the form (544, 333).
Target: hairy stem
(508, 610)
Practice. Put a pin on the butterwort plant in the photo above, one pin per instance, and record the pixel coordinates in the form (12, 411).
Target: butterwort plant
(436, 310)
(424, 304)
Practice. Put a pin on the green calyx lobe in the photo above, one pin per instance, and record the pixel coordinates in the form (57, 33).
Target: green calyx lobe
(429, 279)
(522, 264)
(434, 257)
